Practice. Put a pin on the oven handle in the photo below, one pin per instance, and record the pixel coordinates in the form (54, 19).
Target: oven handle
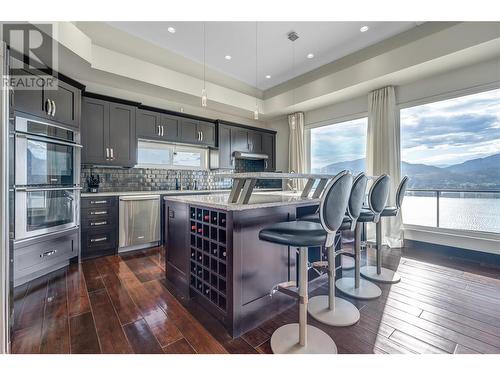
(47, 188)
(49, 140)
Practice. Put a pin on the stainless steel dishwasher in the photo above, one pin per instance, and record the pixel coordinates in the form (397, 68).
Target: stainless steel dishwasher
(139, 222)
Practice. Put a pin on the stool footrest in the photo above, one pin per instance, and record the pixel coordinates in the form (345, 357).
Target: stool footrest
(321, 264)
(289, 288)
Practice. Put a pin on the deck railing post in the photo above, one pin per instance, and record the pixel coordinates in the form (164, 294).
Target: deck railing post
(438, 193)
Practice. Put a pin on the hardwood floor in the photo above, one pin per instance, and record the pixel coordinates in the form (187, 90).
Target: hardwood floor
(122, 304)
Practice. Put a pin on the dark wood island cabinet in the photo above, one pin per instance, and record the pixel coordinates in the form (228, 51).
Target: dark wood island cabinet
(214, 255)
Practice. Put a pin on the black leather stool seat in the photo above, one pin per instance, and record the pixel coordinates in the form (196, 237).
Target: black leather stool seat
(366, 216)
(390, 211)
(315, 219)
(295, 233)
(311, 217)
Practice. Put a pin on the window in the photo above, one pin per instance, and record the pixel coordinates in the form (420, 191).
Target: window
(170, 156)
(451, 151)
(339, 146)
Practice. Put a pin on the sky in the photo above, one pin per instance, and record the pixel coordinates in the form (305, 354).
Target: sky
(440, 134)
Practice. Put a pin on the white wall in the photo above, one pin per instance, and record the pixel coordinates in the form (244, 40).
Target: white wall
(281, 127)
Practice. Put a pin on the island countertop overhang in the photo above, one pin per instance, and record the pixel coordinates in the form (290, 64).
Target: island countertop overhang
(258, 200)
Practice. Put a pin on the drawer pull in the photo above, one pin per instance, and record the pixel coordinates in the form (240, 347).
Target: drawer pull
(99, 212)
(99, 202)
(48, 253)
(100, 239)
(96, 223)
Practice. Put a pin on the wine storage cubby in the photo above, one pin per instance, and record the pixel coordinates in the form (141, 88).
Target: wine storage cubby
(208, 275)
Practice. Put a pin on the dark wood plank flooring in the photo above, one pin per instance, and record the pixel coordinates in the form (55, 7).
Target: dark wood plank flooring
(123, 304)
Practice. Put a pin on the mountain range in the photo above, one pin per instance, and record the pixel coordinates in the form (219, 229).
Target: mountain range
(481, 173)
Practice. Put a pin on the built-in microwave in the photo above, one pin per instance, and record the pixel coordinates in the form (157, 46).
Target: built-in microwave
(47, 176)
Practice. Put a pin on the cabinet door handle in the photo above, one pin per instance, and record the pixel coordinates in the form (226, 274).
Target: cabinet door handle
(162, 131)
(112, 156)
(53, 108)
(265, 164)
(100, 239)
(98, 212)
(107, 153)
(97, 223)
(48, 253)
(48, 106)
(99, 202)
(201, 133)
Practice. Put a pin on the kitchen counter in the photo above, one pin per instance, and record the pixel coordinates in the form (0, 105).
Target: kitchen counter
(261, 199)
(158, 192)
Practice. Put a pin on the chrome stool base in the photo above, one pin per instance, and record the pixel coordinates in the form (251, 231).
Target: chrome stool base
(347, 262)
(386, 275)
(344, 314)
(366, 289)
(285, 340)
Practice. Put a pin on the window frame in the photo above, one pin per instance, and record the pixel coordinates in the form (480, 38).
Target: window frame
(173, 147)
(329, 122)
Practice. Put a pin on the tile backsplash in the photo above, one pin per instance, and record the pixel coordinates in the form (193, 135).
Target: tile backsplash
(149, 179)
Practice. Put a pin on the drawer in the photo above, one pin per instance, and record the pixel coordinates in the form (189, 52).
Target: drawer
(98, 243)
(98, 222)
(98, 213)
(35, 257)
(98, 202)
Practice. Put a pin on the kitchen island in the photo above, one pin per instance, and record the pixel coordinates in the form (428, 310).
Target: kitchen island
(214, 255)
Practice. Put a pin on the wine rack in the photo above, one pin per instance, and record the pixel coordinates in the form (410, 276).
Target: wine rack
(209, 255)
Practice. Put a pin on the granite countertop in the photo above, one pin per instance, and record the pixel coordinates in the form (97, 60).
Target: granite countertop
(261, 199)
(273, 175)
(159, 192)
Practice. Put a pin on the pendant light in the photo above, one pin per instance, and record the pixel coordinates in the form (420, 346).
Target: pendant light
(204, 98)
(293, 36)
(256, 110)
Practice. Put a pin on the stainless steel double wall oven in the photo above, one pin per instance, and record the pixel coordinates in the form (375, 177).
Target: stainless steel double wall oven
(47, 175)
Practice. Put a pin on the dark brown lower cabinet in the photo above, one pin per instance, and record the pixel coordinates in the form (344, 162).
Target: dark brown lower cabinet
(216, 258)
(38, 256)
(99, 223)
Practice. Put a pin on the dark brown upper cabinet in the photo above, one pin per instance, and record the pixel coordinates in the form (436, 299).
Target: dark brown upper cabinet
(269, 148)
(207, 133)
(226, 160)
(233, 138)
(158, 126)
(60, 104)
(108, 133)
(239, 140)
(255, 141)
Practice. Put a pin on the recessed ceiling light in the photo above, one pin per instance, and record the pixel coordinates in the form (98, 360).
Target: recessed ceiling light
(310, 55)
(364, 28)
(171, 30)
(228, 57)
(268, 76)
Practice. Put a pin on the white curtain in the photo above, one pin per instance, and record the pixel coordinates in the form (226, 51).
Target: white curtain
(383, 154)
(296, 157)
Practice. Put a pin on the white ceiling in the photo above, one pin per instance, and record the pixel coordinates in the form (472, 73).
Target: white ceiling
(328, 41)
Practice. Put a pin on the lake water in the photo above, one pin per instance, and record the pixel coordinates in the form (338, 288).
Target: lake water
(480, 214)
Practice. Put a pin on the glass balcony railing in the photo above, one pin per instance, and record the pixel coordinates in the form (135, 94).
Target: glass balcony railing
(473, 210)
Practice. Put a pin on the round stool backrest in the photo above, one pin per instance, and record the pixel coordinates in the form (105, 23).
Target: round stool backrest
(356, 198)
(400, 194)
(377, 197)
(333, 204)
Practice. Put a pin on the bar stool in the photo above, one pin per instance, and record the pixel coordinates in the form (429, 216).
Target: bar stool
(356, 287)
(330, 309)
(303, 338)
(379, 273)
